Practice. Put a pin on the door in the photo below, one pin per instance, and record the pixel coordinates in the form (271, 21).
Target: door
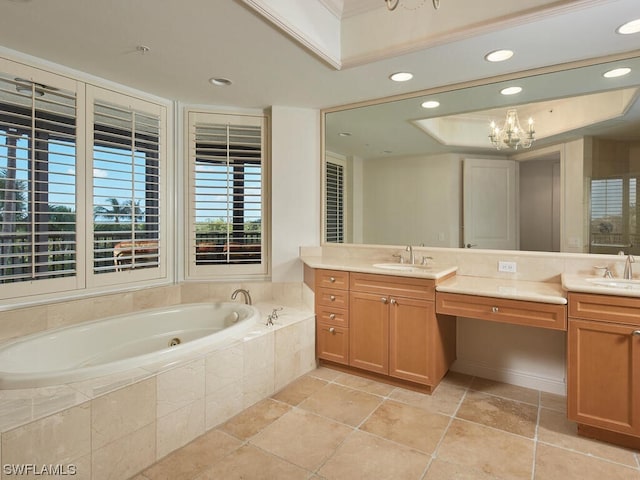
(410, 339)
(490, 203)
(603, 375)
(369, 332)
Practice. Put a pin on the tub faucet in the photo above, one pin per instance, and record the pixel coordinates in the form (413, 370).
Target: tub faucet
(245, 293)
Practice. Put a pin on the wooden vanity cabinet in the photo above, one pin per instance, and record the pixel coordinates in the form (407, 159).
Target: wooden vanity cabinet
(603, 366)
(394, 330)
(332, 315)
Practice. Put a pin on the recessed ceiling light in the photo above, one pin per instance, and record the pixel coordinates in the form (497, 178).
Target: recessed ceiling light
(220, 82)
(617, 72)
(498, 55)
(511, 90)
(344, 134)
(401, 76)
(630, 27)
(430, 104)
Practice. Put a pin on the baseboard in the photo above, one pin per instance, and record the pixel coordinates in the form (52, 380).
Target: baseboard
(513, 377)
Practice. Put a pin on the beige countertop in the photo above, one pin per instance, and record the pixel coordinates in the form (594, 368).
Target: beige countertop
(545, 292)
(604, 286)
(433, 270)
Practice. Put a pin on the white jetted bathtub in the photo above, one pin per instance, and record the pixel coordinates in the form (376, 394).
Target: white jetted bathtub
(113, 344)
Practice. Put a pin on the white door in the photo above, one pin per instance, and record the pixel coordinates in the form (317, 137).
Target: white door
(490, 204)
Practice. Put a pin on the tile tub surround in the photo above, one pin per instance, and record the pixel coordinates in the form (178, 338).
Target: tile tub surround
(115, 426)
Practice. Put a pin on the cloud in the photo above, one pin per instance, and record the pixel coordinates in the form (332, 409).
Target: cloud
(100, 173)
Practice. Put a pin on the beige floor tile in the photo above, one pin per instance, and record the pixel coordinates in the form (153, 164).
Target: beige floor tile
(505, 390)
(410, 426)
(302, 438)
(364, 384)
(553, 401)
(250, 421)
(325, 373)
(501, 454)
(441, 470)
(555, 429)
(365, 456)
(300, 390)
(555, 463)
(444, 400)
(501, 413)
(343, 404)
(459, 379)
(194, 457)
(251, 463)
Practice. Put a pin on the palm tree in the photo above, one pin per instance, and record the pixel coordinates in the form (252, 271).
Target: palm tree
(115, 212)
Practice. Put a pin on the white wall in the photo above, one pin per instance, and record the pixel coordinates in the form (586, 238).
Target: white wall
(412, 200)
(295, 188)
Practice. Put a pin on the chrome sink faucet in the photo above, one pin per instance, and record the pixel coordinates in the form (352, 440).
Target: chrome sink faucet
(245, 293)
(412, 256)
(628, 271)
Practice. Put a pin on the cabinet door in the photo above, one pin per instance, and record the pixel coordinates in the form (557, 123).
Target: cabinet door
(603, 372)
(410, 339)
(369, 332)
(332, 343)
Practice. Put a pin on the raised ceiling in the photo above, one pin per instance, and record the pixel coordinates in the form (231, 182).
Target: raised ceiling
(193, 41)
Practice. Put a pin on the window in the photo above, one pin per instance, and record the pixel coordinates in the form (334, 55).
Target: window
(37, 182)
(81, 185)
(334, 201)
(613, 215)
(226, 195)
(126, 189)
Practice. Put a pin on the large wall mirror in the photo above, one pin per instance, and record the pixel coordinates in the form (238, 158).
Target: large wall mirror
(397, 173)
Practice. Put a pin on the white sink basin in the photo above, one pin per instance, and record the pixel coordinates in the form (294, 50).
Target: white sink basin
(615, 283)
(401, 267)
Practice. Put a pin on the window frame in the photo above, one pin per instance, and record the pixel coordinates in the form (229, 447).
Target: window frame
(227, 271)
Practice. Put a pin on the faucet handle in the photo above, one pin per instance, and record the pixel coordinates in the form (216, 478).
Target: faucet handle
(399, 257)
(425, 259)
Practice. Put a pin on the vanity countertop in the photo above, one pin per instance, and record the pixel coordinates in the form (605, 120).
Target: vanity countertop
(604, 286)
(433, 270)
(545, 292)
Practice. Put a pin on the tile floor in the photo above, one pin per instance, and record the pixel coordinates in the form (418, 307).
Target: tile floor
(331, 425)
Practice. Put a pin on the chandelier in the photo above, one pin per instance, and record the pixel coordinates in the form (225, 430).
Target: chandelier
(392, 4)
(512, 135)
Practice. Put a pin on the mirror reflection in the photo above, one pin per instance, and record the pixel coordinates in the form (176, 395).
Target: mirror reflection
(426, 170)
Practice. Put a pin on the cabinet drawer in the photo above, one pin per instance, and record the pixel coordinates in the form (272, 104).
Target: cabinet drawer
(332, 316)
(606, 308)
(423, 288)
(332, 279)
(332, 343)
(519, 312)
(330, 297)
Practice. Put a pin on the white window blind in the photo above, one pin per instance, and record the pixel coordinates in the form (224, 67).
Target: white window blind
(334, 201)
(37, 181)
(126, 188)
(226, 194)
(613, 213)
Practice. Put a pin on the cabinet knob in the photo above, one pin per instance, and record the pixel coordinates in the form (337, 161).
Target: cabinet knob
(332, 316)
(495, 309)
(332, 279)
(383, 299)
(636, 333)
(393, 301)
(332, 330)
(332, 298)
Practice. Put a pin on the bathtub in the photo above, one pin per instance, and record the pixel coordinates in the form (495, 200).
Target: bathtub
(157, 336)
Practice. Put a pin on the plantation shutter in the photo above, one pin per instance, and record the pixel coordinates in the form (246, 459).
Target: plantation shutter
(226, 193)
(126, 188)
(334, 201)
(613, 214)
(37, 181)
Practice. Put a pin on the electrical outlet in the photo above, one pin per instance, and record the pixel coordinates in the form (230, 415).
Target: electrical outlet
(509, 267)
